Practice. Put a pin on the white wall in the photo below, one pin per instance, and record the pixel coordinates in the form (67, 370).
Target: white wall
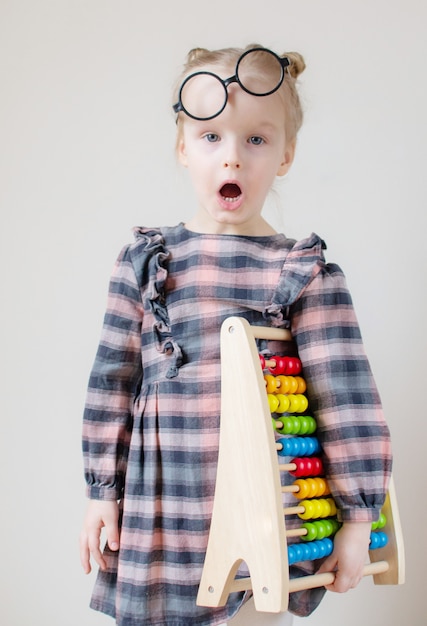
(86, 152)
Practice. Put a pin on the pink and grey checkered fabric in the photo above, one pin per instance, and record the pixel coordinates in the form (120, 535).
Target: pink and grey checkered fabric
(151, 421)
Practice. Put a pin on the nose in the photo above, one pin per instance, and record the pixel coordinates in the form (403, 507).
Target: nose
(232, 158)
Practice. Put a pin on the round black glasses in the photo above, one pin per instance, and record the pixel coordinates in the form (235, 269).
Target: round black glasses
(204, 95)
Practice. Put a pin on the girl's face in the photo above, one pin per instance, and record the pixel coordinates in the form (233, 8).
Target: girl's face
(233, 160)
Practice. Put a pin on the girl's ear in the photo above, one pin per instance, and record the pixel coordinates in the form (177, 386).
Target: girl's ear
(182, 153)
(288, 158)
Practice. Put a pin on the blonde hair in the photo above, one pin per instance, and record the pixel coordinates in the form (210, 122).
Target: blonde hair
(228, 57)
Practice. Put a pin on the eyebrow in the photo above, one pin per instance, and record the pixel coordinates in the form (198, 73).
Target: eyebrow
(265, 126)
(255, 126)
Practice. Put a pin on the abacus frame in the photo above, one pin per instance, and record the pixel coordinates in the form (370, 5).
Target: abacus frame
(248, 523)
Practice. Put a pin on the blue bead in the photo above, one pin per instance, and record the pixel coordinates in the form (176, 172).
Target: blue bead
(282, 441)
(307, 551)
(297, 446)
(288, 447)
(329, 545)
(315, 552)
(311, 448)
(316, 445)
(321, 549)
(303, 447)
(299, 552)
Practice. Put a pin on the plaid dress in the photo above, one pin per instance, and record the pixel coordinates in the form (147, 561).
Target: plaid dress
(151, 420)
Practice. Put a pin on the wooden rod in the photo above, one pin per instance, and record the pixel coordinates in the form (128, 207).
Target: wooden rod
(297, 532)
(241, 584)
(273, 334)
(320, 580)
(316, 580)
(293, 510)
(290, 489)
(270, 362)
(287, 467)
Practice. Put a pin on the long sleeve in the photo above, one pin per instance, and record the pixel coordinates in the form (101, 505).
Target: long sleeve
(115, 376)
(343, 395)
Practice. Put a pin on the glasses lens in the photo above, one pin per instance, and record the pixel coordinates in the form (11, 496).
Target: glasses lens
(203, 96)
(260, 72)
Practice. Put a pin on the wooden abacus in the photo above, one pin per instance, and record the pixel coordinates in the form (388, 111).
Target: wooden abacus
(249, 521)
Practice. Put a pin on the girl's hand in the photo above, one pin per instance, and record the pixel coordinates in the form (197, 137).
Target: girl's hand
(100, 514)
(349, 556)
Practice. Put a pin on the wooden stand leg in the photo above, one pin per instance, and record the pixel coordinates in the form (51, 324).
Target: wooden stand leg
(247, 523)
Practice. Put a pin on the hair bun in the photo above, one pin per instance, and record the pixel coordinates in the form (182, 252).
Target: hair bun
(296, 63)
(195, 54)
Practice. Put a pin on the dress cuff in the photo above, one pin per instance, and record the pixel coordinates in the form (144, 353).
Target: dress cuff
(98, 492)
(361, 514)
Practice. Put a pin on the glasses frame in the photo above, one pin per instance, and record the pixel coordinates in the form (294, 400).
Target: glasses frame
(283, 61)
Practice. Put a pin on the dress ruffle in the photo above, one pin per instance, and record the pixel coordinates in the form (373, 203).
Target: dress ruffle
(304, 261)
(157, 256)
(301, 265)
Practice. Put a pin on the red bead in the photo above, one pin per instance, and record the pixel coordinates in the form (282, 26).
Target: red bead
(293, 366)
(279, 367)
(300, 467)
(307, 466)
(262, 361)
(317, 466)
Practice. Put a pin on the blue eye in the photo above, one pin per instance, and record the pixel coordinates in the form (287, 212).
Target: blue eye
(212, 137)
(256, 141)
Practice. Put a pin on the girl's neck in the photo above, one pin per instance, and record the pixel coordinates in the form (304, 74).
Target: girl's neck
(260, 229)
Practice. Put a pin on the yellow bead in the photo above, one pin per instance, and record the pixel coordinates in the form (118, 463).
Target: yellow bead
(283, 403)
(309, 508)
(272, 402)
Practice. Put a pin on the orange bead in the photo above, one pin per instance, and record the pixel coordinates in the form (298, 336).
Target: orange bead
(270, 382)
(322, 487)
(283, 384)
(302, 387)
(312, 487)
(293, 384)
(303, 489)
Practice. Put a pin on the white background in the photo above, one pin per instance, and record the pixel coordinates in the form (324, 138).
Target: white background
(87, 151)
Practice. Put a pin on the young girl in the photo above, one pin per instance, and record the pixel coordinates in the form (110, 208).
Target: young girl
(151, 423)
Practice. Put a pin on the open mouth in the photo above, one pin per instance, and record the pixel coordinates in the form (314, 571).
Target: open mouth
(230, 192)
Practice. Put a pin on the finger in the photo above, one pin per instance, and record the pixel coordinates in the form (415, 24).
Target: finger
(113, 542)
(85, 554)
(345, 580)
(342, 582)
(328, 565)
(94, 548)
(112, 532)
